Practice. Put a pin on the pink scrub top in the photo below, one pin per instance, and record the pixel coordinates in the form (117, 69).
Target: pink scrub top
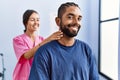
(21, 44)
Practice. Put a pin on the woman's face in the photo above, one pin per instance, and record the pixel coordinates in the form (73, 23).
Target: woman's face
(33, 22)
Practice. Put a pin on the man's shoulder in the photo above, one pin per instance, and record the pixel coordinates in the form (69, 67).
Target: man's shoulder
(48, 45)
(46, 48)
(81, 42)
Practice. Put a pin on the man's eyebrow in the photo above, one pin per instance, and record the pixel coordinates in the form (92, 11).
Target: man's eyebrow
(71, 14)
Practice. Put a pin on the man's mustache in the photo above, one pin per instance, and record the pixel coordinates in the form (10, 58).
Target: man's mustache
(70, 25)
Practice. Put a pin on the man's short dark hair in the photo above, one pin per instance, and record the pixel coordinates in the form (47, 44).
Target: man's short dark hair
(63, 7)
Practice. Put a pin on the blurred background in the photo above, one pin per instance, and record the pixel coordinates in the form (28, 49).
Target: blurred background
(100, 29)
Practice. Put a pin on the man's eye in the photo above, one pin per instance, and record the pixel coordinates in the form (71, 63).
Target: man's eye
(70, 17)
(79, 19)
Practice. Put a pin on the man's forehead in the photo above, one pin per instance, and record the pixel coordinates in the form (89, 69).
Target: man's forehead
(73, 10)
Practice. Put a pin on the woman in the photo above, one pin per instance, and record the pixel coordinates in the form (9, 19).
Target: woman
(26, 44)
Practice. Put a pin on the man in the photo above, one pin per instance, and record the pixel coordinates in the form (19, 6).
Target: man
(67, 58)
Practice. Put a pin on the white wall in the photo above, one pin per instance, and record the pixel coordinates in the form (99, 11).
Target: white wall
(11, 24)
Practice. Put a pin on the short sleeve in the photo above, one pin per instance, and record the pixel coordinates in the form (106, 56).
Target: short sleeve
(19, 47)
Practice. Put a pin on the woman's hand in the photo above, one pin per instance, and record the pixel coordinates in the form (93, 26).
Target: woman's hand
(55, 36)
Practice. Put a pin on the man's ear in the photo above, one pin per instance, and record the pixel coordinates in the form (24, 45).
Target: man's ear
(57, 20)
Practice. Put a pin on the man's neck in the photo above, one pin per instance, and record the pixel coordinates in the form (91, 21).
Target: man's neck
(67, 41)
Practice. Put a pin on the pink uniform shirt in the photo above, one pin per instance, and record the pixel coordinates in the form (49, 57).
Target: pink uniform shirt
(21, 44)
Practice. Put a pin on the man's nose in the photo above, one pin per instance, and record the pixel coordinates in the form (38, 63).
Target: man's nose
(76, 21)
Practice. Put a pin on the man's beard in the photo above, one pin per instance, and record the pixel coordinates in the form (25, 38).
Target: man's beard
(65, 29)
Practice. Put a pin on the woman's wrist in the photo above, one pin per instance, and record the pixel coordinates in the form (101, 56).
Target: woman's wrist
(39, 44)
